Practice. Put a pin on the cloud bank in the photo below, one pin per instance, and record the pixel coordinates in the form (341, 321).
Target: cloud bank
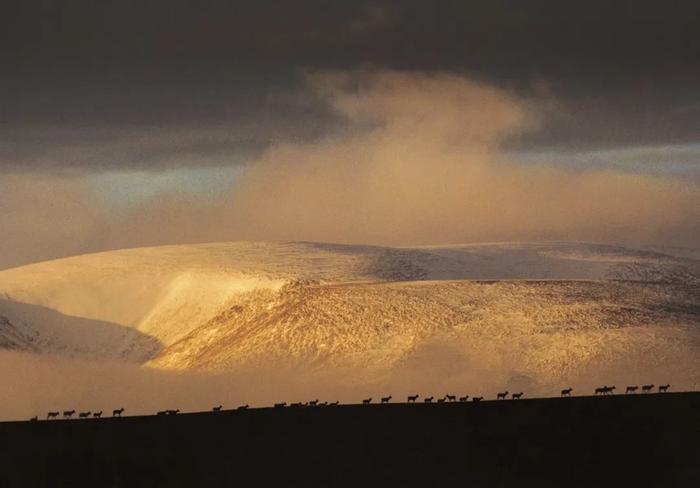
(419, 159)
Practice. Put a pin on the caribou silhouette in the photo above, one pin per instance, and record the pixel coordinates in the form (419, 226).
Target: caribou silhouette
(367, 401)
(450, 398)
(464, 398)
(280, 405)
(631, 389)
(313, 403)
(664, 388)
(162, 412)
(647, 388)
(428, 399)
(604, 390)
(413, 398)
(216, 409)
(242, 407)
(118, 412)
(68, 413)
(502, 395)
(97, 415)
(477, 399)
(297, 405)
(386, 399)
(441, 400)
(52, 415)
(516, 396)
(173, 412)
(34, 419)
(334, 404)
(567, 392)
(84, 415)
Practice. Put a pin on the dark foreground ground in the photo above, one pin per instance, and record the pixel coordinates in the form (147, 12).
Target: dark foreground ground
(636, 440)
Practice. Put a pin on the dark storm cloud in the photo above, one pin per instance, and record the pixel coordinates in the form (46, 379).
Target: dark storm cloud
(622, 72)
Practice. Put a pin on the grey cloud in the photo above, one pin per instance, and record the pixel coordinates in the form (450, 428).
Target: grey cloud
(149, 148)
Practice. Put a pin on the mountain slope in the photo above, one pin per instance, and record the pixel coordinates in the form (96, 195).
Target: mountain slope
(533, 313)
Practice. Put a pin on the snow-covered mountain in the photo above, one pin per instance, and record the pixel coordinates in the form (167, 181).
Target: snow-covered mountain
(538, 312)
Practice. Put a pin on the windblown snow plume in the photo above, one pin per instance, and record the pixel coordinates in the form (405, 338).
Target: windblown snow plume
(418, 159)
(421, 162)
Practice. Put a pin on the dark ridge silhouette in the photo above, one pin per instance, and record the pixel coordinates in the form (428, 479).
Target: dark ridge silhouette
(647, 388)
(664, 388)
(502, 395)
(580, 441)
(118, 412)
(631, 389)
(567, 391)
(412, 398)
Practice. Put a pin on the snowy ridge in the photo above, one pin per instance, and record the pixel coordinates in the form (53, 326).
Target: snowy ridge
(543, 310)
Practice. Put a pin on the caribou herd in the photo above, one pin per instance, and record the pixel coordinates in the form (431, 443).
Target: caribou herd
(604, 390)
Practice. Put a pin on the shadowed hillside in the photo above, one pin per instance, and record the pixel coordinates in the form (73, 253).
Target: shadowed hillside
(649, 440)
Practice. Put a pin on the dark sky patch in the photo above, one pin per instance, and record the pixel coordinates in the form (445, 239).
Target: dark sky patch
(622, 72)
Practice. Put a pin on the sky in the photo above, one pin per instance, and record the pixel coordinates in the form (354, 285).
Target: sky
(144, 122)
